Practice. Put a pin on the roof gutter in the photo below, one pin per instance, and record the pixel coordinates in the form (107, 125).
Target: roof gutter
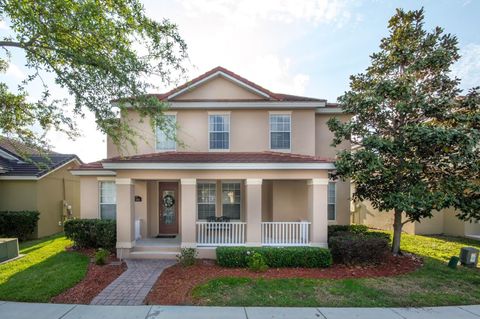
(218, 166)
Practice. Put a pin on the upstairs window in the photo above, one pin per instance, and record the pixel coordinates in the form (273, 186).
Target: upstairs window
(332, 198)
(166, 140)
(219, 132)
(206, 199)
(231, 200)
(108, 200)
(280, 131)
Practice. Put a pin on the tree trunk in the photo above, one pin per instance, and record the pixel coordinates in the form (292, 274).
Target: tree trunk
(397, 232)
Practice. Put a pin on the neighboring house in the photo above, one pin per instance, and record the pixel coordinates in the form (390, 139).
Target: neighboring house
(252, 169)
(442, 222)
(41, 182)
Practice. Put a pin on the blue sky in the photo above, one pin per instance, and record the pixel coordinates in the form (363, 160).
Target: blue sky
(307, 47)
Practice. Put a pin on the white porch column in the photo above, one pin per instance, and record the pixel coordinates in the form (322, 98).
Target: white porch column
(253, 211)
(125, 216)
(317, 210)
(188, 201)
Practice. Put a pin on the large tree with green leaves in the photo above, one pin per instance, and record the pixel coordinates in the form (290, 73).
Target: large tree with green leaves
(99, 50)
(415, 137)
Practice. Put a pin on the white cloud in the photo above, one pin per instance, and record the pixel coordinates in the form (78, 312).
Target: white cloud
(249, 12)
(15, 72)
(468, 67)
(3, 25)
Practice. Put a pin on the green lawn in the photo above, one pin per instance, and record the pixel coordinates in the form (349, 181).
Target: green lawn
(433, 285)
(45, 271)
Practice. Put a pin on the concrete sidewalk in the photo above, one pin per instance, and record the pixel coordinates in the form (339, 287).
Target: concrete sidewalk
(14, 310)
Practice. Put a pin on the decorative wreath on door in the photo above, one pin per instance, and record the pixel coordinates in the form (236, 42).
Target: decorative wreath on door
(168, 201)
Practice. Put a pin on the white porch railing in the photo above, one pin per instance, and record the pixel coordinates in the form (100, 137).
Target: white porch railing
(220, 233)
(285, 233)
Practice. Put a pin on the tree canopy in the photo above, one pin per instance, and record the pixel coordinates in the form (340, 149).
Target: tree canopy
(415, 137)
(99, 50)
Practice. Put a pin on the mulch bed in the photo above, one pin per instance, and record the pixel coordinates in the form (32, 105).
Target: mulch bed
(174, 285)
(97, 278)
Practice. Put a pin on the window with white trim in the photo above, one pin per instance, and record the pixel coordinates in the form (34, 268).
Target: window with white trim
(280, 131)
(332, 198)
(219, 131)
(206, 200)
(231, 200)
(108, 200)
(166, 134)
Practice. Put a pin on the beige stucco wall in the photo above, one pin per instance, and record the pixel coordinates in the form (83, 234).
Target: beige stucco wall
(324, 137)
(453, 225)
(18, 195)
(46, 196)
(218, 88)
(267, 201)
(249, 132)
(290, 202)
(365, 214)
(430, 226)
(141, 207)
(342, 202)
(89, 197)
(51, 191)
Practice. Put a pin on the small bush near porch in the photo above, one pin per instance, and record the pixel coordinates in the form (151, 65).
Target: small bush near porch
(92, 233)
(434, 284)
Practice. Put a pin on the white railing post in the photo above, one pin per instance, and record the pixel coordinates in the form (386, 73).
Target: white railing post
(285, 233)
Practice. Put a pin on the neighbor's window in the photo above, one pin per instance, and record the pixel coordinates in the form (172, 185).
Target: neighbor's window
(206, 198)
(332, 190)
(231, 200)
(166, 140)
(108, 200)
(280, 131)
(219, 132)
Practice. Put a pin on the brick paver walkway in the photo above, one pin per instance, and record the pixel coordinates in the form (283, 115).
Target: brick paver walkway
(133, 285)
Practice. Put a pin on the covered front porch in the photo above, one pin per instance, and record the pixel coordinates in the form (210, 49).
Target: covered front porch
(208, 211)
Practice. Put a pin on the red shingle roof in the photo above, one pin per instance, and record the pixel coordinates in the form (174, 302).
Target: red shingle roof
(212, 157)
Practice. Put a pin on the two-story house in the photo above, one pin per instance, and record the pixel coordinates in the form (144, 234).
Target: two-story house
(252, 169)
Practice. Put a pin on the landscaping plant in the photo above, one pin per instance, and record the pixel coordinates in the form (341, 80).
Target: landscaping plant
(414, 133)
(187, 256)
(21, 224)
(257, 263)
(98, 51)
(101, 256)
(92, 233)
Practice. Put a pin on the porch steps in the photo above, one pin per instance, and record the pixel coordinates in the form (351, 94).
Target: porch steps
(162, 248)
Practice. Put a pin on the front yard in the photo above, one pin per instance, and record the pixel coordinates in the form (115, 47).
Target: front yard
(45, 271)
(432, 285)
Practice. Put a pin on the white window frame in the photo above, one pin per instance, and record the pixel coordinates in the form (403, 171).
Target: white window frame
(156, 136)
(241, 196)
(334, 200)
(270, 115)
(215, 201)
(229, 129)
(100, 182)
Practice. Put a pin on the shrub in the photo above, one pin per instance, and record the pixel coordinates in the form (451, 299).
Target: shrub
(276, 257)
(257, 263)
(354, 229)
(187, 256)
(20, 224)
(359, 249)
(101, 256)
(92, 233)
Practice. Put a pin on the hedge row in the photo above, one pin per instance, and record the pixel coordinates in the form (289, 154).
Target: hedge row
(276, 257)
(20, 224)
(359, 249)
(355, 229)
(92, 233)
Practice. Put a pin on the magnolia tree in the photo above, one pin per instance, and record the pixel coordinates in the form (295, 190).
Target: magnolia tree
(99, 51)
(415, 137)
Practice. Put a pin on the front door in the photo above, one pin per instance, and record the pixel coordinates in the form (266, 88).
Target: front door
(168, 211)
